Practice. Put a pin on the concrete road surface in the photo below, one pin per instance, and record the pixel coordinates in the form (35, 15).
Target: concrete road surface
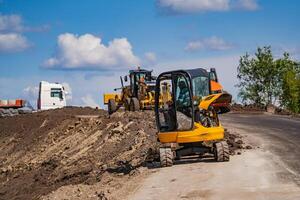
(271, 170)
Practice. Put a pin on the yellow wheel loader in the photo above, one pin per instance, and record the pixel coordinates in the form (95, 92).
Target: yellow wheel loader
(187, 121)
(137, 95)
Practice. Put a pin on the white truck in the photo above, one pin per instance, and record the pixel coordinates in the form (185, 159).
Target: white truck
(51, 96)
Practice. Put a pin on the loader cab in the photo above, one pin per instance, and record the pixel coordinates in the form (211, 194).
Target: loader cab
(139, 77)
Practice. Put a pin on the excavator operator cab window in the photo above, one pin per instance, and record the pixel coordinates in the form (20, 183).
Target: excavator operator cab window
(173, 103)
(200, 87)
(183, 103)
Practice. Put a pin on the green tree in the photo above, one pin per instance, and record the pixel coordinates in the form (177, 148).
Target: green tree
(264, 80)
(290, 97)
(259, 77)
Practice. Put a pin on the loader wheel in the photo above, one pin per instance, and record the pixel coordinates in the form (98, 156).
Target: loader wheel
(221, 151)
(134, 104)
(166, 157)
(127, 104)
(111, 106)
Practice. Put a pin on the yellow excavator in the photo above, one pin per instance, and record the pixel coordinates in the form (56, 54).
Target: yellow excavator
(187, 104)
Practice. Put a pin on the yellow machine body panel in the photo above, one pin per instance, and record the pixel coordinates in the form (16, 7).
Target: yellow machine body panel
(219, 99)
(109, 96)
(208, 100)
(198, 134)
(149, 101)
(146, 103)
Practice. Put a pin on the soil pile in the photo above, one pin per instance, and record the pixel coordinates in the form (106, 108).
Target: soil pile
(76, 153)
(247, 108)
(235, 143)
(43, 151)
(253, 108)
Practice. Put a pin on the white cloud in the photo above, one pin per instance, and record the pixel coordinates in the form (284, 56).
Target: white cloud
(13, 42)
(51, 62)
(211, 43)
(68, 91)
(11, 23)
(89, 101)
(194, 46)
(88, 51)
(193, 6)
(14, 23)
(30, 94)
(150, 57)
(189, 6)
(31, 91)
(246, 5)
(11, 37)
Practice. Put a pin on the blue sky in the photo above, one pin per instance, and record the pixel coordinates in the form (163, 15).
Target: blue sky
(88, 44)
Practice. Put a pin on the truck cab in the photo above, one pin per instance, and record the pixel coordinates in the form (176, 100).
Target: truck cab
(51, 96)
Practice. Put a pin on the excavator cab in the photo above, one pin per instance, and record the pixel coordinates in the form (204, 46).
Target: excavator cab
(187, 121)
(180, 102)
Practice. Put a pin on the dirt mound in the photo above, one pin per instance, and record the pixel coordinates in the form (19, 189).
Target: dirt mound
(235, 142)
(43, 151)
(76, 153)
(247, 108)
(253, 108)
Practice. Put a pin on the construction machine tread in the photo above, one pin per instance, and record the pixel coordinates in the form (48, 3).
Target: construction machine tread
(166, 157)
(134, 104)
(226, 151)
(221, 151)
(111, 106)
